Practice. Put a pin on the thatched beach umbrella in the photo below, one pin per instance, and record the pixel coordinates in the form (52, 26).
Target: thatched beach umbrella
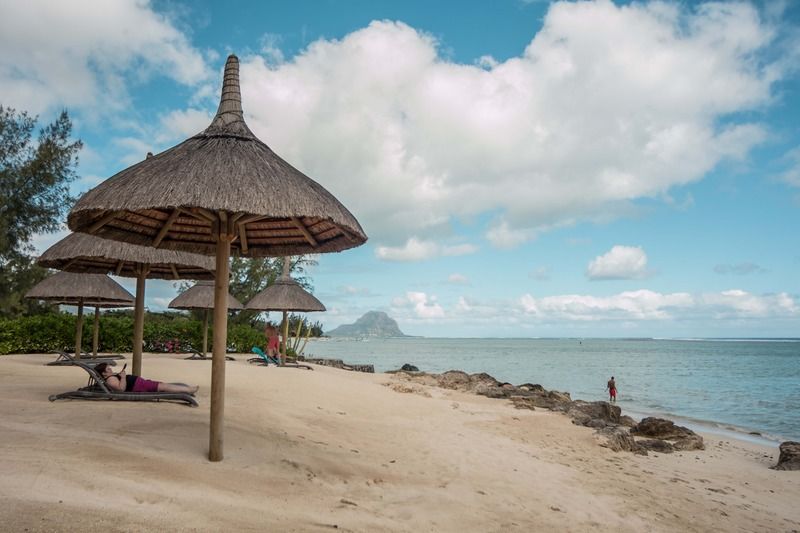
(222, 189)
(96, 290)
(201, 296)
(285, 295)
(84, 253)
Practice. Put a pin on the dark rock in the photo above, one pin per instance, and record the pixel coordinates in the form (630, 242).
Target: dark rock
(594, 414)
(338, 363)
(790, 456)
(454, 379)
(692, 442)
(626, 421)
(619, 439)
(530, 387)
(656, 445)
(523, 402)
(409, 368)
(660, 428)
(490, 391)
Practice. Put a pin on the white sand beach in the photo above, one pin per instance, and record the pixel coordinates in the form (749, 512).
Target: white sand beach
(330, 449)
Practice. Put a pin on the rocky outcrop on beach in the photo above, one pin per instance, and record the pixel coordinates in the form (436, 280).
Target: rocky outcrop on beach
(789, 458)
(338, 363)
(615, 431)
(665, 431)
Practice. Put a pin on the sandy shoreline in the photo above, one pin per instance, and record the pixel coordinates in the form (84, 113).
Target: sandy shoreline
(330, 449)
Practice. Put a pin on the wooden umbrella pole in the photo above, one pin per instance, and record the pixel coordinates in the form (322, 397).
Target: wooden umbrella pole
(220, 345)
(138, 321)
(285, 336)
(79, 330)
(205, 332)
(96, 333)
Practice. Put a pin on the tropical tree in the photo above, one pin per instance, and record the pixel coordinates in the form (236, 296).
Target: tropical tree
(34, 196)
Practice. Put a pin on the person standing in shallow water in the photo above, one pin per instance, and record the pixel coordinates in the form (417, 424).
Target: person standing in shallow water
(612, 390)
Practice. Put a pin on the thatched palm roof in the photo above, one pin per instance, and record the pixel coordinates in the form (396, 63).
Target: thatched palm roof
(90, 289)
(284, 295)
(201, 296)
(173, 200)
(80, 252)
(222, 189)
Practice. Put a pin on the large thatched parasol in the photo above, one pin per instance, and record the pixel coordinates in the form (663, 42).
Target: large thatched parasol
(96, 290)
(83, 253)
(201, 296)
(221, 189)
(285, 295)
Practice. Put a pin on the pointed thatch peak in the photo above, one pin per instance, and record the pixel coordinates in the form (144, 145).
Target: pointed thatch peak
(201, 296)
(222, 178)
(285, 295)
(230, 117)
(91, 289)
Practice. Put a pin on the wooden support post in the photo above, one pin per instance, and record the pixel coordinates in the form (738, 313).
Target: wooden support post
(285, 336)
(205, 332)
(96, 335)
(138, 320)
(79, 330)
(223, 237)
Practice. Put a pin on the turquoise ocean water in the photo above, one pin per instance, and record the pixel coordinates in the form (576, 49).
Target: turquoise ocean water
(720, 385)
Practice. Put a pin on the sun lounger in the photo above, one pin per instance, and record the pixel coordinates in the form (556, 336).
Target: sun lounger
(92, 357)
(197, 356)
(266, 360)
(66, 359)
(98, 390)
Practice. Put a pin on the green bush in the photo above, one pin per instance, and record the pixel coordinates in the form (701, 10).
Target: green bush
(162, 332)
(40, 333)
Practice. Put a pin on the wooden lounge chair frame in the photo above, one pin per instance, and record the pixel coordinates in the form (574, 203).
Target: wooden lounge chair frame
(97, 389)
(66, 359)
(197, 356)
(265, 360)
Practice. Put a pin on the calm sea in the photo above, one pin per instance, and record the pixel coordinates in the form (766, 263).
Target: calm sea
(718, 385)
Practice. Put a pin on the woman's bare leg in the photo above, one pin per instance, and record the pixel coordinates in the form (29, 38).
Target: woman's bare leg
(174, 387)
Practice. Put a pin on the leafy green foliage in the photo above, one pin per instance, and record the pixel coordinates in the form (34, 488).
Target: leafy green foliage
(18, 274)
(34, 197)
(34, 178)
(171, 332)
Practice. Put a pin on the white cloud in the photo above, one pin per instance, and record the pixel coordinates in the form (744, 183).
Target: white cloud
(83, 54)
(43, 241)
(792, 174)
(650, 305)
(459, 249)
(641, 304)
(739, 303)
(621, 262)
(419, 250)
(458, 279)
(424, 306)
(606, 105)
(414, 250)
(183, 123)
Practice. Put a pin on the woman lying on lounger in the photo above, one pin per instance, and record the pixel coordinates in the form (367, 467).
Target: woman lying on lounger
(123, 382)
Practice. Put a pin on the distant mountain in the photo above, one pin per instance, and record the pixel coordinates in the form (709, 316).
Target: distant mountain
(372, 324)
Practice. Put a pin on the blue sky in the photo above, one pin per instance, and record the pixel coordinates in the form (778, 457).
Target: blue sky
(522, 168)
